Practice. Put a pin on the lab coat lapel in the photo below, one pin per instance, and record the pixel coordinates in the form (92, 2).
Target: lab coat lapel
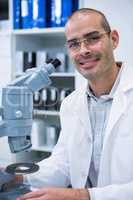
(119, 102)
(118, 108)
(83, 114)
(84, 142)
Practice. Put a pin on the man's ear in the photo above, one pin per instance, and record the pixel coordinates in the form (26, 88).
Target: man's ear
(115, 38)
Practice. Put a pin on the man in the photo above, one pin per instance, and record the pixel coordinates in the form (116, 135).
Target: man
(94, 151)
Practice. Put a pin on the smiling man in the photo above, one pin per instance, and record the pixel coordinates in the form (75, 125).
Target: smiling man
(94, 150)
(90, 43)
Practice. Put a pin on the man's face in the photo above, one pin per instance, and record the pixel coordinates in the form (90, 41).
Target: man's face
(90, 46)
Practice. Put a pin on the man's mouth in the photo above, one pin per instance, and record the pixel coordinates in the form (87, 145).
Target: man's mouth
(88, 63)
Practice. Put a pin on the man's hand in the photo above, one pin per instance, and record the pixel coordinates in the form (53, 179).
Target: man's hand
(57, 194)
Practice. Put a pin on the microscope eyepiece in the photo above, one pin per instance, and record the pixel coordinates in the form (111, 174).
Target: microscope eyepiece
(56, 62)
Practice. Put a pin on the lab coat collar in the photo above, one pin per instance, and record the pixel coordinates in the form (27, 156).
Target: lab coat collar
(120, 100)
(126, 81)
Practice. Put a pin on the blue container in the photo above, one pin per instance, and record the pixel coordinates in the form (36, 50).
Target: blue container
(30, 13)
(56, 10)
(16, 14)
(66, 11)
(48, 12)
(68, 7)
(75, 5)
(26, 15)
(38, 13)
(60, 11)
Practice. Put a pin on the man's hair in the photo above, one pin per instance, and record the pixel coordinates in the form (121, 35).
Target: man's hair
(104, 21)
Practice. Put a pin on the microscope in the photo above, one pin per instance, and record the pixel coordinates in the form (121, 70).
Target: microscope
(16, 113)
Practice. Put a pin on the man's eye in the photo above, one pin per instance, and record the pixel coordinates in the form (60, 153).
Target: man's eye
(73, 45)
(94, 38)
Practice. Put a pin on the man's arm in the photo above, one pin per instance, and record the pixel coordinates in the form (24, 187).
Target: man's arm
(57, 194)
(115, 192)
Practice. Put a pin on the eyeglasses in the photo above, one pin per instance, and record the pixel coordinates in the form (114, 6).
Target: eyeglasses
(89, 40)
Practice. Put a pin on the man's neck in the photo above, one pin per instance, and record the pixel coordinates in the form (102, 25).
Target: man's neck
(104, 85)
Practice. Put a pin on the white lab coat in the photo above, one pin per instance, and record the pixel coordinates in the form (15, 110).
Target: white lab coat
(70, 161)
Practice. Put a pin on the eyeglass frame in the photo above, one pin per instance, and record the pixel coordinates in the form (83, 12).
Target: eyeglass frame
(85, 40)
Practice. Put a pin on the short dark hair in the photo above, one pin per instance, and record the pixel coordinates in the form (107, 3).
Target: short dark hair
(104, 21)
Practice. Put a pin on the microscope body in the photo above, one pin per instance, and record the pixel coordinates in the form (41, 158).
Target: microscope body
(17, 105)
(17, 108)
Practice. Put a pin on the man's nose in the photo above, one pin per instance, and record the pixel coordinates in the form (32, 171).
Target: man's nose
(84, 48)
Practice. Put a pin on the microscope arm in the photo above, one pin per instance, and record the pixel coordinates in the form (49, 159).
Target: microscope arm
(35, 78)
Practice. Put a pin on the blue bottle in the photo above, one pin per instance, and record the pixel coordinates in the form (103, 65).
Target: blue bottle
(60, 11)
(26, 13)
(56, 10)
(16, 14)
(48, 13)
(38, 13)
(66, 11)
(68, 7)
(75, 5)
(30, 13)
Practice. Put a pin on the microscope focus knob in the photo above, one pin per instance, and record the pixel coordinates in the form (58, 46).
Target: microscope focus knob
(18, 114)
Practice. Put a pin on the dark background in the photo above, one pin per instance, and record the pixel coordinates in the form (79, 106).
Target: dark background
(4, 10)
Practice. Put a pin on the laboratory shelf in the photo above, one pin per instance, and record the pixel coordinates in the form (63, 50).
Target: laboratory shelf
(45, 112)
(36, 31)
